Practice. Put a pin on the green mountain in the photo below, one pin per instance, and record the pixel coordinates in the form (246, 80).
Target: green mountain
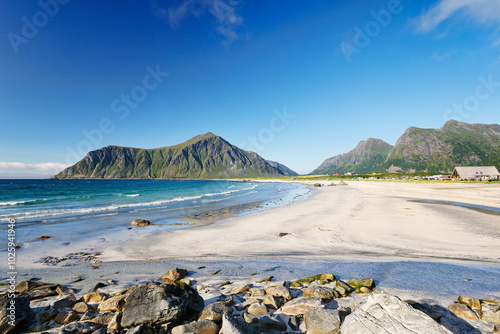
(203, 157)
(282, 168)
(368, 156)
(440, 150)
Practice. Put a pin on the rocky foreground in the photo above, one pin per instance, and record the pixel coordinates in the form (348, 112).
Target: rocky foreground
(319, 304)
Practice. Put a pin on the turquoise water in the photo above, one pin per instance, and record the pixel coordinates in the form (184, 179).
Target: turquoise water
(70, 211)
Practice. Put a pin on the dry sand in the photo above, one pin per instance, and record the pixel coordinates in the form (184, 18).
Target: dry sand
(362, 221)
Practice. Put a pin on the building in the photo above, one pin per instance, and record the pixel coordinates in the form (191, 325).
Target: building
(475, 172)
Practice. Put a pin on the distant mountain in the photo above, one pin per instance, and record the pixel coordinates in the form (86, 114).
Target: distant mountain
(203, 157)
(440, 150)
(368, 156)
(282, 168)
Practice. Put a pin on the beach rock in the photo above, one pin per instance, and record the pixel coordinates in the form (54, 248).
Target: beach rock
(342, 183)
(496, 329)
(257, 292)
(322, 321)
(318, 185)
(62, 290)
(326, 276)
(81, 327)
(98, 286)
(279, 291)
(113, 304)
(200, 327)
(214, 312)
(64, 301)
(89, 315)
(363, 290)
(473, 303)
(160, 303)
(250, 301)
(47, 315)
(94, 297)
(65, 317)
(273, 302)
(126, 291)
(174, 275)
(357, 283)
(268, 323)
(27, 285)
(232, 325)
(301, 305)
(491, 312)
(13, 316)
(294, 323)
(81, 307)
(257, 309)
(240, 289)
(103, 318)
(463, 311)
(140, 223)
(427, 309)
(342, 288)
(325, 294)
(282, 234)
(384, 313)
(115, 322)
(40, 293)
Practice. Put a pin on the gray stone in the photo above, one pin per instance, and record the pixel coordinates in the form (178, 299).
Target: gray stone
(22, 313)
(199, 327)
(279, 291)
(113, 304)
(273, 302)
(160, 303)
(322, 321)
(232, 325)
(81, 327)
(268, 323)
(257, 309)
(325, 294)
(257, 292)
(64, 301)
(214, 312)
(301, 305)
(174, 275)
(383, 313)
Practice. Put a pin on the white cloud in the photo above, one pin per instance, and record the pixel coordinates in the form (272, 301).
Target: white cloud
(224, 12)
(481, 11)
(42, 167)
(442, 56)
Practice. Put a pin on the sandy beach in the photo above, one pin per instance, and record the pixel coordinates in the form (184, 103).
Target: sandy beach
(382, 221)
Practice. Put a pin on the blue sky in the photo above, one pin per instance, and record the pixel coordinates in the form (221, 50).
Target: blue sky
(297, 82)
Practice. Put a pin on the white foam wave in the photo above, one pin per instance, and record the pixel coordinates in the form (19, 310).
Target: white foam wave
(133, 195)
(12, 203)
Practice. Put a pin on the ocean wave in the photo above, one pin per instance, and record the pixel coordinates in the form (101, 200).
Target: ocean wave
(12, 203)
(132, 195)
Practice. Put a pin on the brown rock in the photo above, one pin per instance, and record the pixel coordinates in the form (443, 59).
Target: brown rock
(301, 305)
(65, 317)
(462, 311)
(46, 316)
(240, 289)
(174, 275)
(115, 322)
(103, 318)
(200, 327)
(325, 294)
(140, 222)
(473, 303)
(214, 312)
(273, 302)
(257, 292)
(82, 307)
(491, 312)
(94, 297)
(27, 285)
(113, 304)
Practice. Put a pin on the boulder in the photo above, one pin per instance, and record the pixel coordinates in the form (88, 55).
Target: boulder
(40, 293)
(115, 322)
(322, 321)
(82, 307)
(140, 223)
(47, 315)
(357, 283)
(214, 312)
(103, 318)
(273, 302)
(301, 305)
(279, 291)
(473, 303)
(325, 294)
(268, 323)
(24, 286)
(257, 292)
(463, 311)
(62, 290)
(240, 289)
(64, 301)
(80, 327)
(200, 327)
(160, 303)
(94, 297)
(113, 304)
(257, 309)
(65, 317)
(17, 313)
(232, 325)
(384, 313)
(174, 275)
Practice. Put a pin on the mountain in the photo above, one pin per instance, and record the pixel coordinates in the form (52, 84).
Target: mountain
(368, 156)
(440, 150)
(203, 157)
(282, 168)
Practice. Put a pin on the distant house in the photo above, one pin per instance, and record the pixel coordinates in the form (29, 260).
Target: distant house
(475, 172)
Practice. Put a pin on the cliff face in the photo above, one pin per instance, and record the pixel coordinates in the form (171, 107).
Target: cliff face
(368, 156)
(282, 168)
(440, 150)
(202, 157)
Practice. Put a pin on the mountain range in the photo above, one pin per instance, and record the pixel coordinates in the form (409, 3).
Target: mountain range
(205, 156)
(422, 150)
(209, 156)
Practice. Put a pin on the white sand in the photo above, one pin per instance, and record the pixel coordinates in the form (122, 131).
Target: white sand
(363, 221)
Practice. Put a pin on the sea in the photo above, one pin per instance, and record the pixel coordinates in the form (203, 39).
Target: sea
(55, 216)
